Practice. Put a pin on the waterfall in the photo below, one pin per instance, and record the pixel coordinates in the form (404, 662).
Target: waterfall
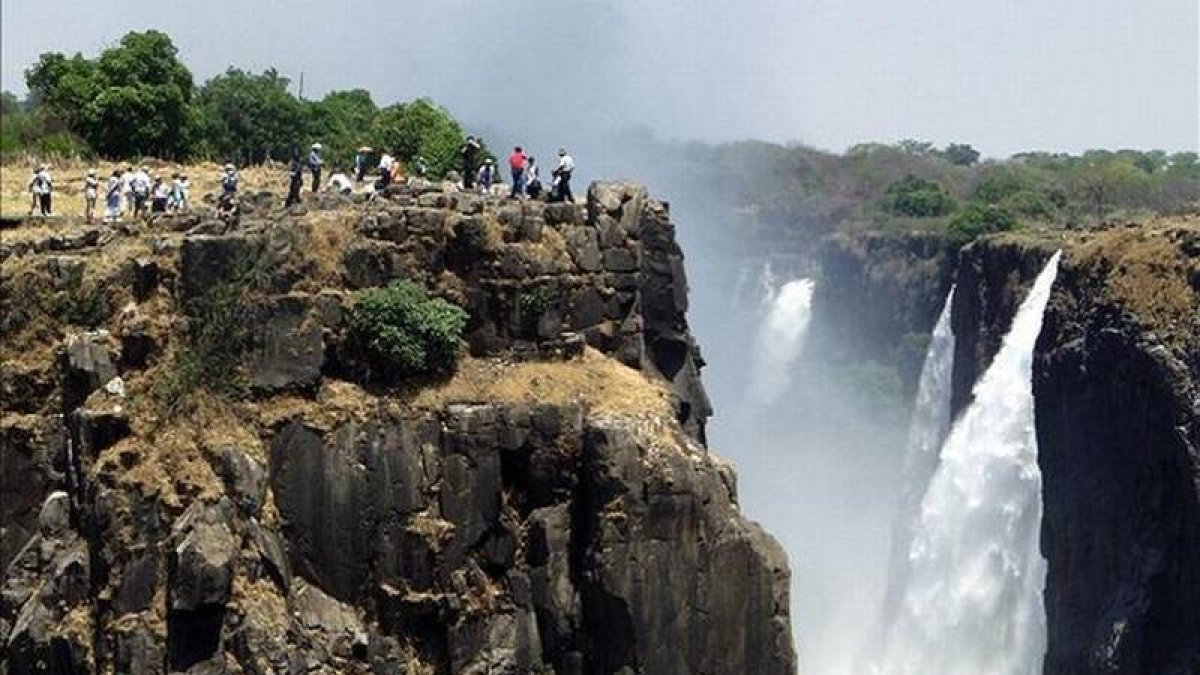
(928, 427)
(788, 311)
(972, 600)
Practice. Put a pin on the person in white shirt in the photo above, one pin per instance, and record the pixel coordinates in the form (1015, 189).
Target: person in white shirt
(562, 178)
(112, 198)
(40, 187)
(91, 192)
(127, 187)
(159, 196)
(340, 182)
(533, 178)
(140, 185)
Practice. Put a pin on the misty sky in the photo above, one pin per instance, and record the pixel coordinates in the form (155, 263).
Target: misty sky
(1005, 76)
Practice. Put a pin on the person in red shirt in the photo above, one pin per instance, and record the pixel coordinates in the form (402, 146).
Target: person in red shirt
(516, 162)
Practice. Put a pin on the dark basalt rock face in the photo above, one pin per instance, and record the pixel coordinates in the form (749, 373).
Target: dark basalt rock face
(1118, 425)
(1118, 418)
(300, 537)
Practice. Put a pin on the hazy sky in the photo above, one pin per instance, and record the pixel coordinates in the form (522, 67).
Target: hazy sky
(1003, 75)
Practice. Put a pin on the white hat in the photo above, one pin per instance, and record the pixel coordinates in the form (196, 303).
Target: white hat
(91, 172)
(316, 146)
(229, 167)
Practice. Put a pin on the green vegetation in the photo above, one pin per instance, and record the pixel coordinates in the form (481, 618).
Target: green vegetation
(919, 198)
(139, 99)
(404, 331)
(793, 195)
(219, 333)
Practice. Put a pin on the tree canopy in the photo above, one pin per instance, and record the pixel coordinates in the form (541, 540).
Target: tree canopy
(138, 98)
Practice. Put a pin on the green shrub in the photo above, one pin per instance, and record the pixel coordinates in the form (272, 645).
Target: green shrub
(403, 331)
(979, 219)
(917, 198)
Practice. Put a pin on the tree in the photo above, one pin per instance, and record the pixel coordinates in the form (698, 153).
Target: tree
(133, 100)
(341, 121)
(980, 219)
(248, 118)
(918, 198)
(960, 154)
(422, 128)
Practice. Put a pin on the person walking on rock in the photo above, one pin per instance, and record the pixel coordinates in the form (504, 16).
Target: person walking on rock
(112, 198)
(176, 202)
(295, 179)
(470, 161)
(562, 177)
(314, 165)
(91, 192)
(516, 162)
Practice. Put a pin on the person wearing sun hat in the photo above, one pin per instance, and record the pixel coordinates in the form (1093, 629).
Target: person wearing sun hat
(91, 191)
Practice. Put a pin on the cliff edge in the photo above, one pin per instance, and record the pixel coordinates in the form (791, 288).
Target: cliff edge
(197, 474)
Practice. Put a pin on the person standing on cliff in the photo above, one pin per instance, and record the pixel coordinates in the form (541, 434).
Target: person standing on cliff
(562, 177)
(40, 188)
(470, 161)
(517, 162)
(295, 179)
(112, 198)
(314, 165)
(91, 192)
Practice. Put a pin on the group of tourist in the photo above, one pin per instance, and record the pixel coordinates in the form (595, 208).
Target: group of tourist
(135, 191)
(131, 190)
(526, 175)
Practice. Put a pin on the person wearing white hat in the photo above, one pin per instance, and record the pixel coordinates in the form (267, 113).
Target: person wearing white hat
(91, 191)
(314, 165)
(562, 177)
(40, 187)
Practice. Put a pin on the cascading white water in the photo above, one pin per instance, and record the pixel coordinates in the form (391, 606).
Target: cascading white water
(788, 311)
(928, 427)
(972, 600)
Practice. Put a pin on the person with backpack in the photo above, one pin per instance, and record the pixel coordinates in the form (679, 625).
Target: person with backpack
(295, 179)
(140, 185)
(470, 161)
(314, 165)
(91, 191)
(533, 178)
(516, 163)
(40, 188)
(112, 197)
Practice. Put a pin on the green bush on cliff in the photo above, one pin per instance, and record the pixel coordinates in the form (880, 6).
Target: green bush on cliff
(403, 331)
(917, 198)
(979, 219)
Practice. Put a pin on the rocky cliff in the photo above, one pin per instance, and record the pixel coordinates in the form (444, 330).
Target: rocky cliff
(1116, 376)
(197, 474)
